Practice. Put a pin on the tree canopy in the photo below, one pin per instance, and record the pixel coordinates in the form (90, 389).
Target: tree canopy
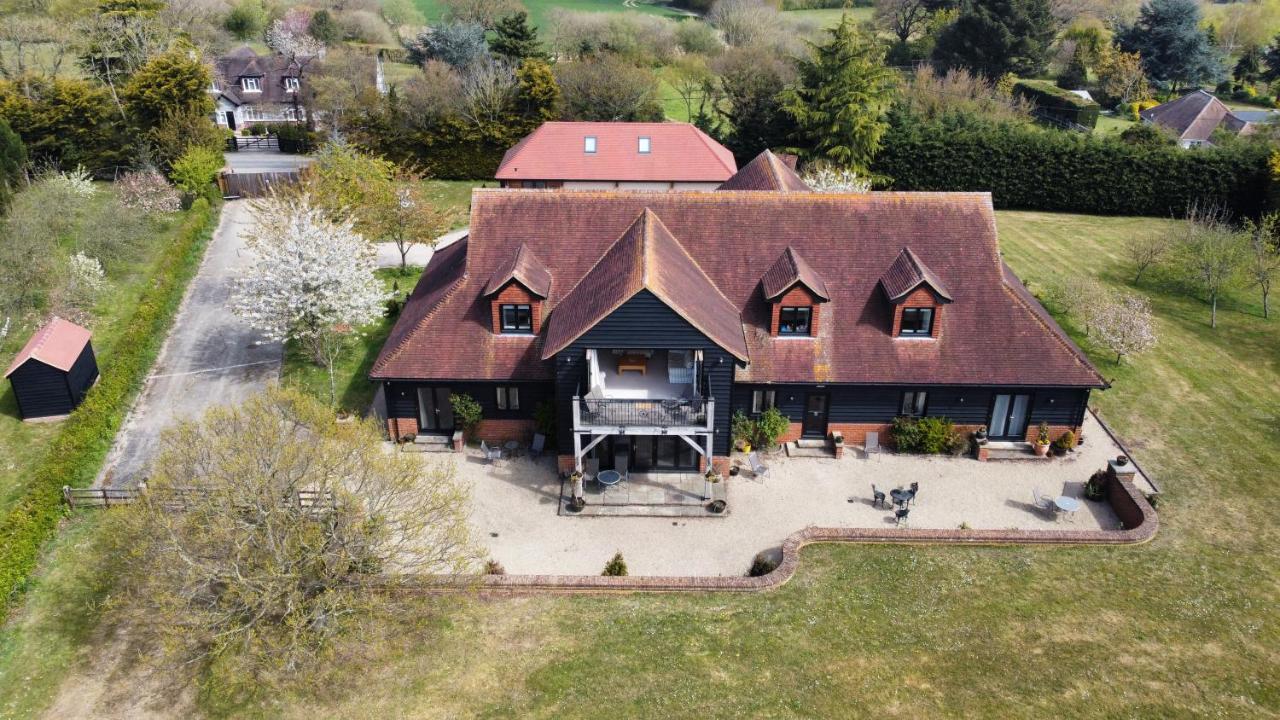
(1174, 50)
(515, 39)
(169, 84)
(995, 37)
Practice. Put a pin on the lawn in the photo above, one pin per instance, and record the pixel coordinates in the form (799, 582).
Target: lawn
(456, 194)
(1112, 124)
(1182, 627)
(540, 10)
(830, 17)
(22, 444)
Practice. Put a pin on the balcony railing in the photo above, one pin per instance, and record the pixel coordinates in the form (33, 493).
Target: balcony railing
(683, 413)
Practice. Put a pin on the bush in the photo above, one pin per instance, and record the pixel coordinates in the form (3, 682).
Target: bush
(770, 426)
(467, 412)
(493, 567)
(75, 454)
(1055, 102)
(616, 567)
(1026, 167)
(196, 169)
(762, 564)
(1096, 487)
(295, 138)
(927, 435)
(544, 421)
(1066, 441)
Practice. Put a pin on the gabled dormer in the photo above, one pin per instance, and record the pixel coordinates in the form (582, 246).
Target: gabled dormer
(516, 292)
(917, 295)
(795, 293)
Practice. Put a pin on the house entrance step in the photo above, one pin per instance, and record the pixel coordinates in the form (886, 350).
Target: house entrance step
(821, 450)
(1011, 451)
(811, 443)
(433, 443)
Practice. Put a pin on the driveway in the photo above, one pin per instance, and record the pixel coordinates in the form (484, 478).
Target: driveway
(264, 161)
(210, 357)
(419, 255)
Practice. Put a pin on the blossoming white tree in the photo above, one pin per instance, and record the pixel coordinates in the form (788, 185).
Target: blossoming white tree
(834, 179)
(313, 280)
(1123, 323)
(147, 192)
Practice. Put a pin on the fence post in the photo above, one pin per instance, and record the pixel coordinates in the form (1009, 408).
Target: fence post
(66, 495)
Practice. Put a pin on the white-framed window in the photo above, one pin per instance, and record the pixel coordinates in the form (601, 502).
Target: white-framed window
(251, 84)
(643, 146)
(762, 400)
(508, 397)
(589, 144)
(291, 84)
(914, 403)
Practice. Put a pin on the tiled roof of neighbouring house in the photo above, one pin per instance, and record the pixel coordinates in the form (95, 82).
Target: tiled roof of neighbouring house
(766, 172)
(271, 69)
(525, 268)
(678, 152)
(789, 269)
(57, 344)
(908, 273)
(1195, 116)
(989, 333)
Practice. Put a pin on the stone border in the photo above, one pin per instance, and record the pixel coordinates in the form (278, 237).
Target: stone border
(1128, 503)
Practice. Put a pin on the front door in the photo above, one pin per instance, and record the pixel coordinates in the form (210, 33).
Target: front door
(815, 415)
(435, 410)
(231, 120)
(1009, 417)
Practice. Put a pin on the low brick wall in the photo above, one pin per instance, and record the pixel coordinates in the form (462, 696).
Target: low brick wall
(400, 427)
(496, 432)
(1125, 499)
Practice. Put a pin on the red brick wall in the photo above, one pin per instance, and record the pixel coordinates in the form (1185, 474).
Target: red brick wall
(1055, 432)
(856, 433)
(798, 296)
(496, 432)
(919, 298)
(515, 294)
(399, 427)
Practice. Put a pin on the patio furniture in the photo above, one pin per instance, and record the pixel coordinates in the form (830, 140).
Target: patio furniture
(900, 515)
(1043, 504)
(872, 444)
(900, 496)
(914, 489)
(877, 497)
(758, 469)
(512, 447)
(609, 478)
(538, 445)
(634, 363)
(1066, 505)
(491, 455)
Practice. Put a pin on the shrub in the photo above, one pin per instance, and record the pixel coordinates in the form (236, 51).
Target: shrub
(616, 567)
(1042, 434)
(1058, 103)
(544, 421)
(196, 169)
(493, 567)
(147, 192)
(467, 412)
(1065, 441)
(295, 138)
(927, 435)
(762, 564)
(770, 426)
(742, 427)
(1096, 486)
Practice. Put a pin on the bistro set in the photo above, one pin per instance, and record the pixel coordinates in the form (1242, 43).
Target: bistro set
(902, 499)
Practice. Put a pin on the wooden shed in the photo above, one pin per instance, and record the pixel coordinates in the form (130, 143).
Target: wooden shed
(54, 371)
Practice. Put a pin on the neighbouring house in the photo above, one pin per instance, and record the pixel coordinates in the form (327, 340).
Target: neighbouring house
(1194, 117)
(616, 155)
(648, 319)
(251, 89)
(54, 370)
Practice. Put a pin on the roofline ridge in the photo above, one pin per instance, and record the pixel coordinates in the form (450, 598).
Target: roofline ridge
(706, 141)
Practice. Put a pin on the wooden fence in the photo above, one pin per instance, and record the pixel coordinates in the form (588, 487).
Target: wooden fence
(250, 185)
(181, 498)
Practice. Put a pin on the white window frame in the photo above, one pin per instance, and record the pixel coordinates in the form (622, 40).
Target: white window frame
(644, 145)
(508, 397)
(590, 145)
(251, 84)
(762, 400)
(915, 403)
(292, 84)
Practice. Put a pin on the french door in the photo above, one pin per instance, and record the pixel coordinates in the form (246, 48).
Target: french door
(435, 410)
(1009, 417)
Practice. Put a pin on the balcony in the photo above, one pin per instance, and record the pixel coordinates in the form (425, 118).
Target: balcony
(692, 414)
(635, 391)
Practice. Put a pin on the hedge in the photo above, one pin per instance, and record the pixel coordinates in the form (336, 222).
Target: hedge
(1026, 167)
(76, 453)
(1055, 102)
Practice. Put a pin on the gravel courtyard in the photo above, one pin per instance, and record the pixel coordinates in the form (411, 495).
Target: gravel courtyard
(515, 507)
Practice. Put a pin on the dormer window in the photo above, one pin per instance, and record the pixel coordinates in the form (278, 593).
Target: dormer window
(917, 322)
(516, 319)
(251, 84)
(642, 146)
(794, 320)
(291, 84)
(589, 145)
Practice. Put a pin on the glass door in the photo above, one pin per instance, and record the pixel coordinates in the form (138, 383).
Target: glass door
(435, 409)
(1009, 417)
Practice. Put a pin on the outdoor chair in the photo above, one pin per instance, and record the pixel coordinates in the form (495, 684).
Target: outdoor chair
(915, 488)
(872, 444)
(539, 443)
(491, 454)
(900, 515)
(877, 497)
(1043, 504)
(758, 469)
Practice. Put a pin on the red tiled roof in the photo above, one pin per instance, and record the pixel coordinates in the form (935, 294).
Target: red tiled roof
(646, 257)
(57, 344)
(789, 269)
(990, 334)
(766, 172)
(525, 268)
(679, 152)
(906, 274)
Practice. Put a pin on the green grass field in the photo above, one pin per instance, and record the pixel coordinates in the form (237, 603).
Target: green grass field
(1183, 627)
(540, 10)
(830, 17)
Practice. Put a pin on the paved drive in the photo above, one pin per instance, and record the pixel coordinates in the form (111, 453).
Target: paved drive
(210, 357)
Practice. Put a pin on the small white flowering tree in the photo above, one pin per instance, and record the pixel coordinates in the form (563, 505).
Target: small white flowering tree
(76, 182)
(827, 178)
(1122, 323)
(312, 281)
(147, 192)
(85, 280)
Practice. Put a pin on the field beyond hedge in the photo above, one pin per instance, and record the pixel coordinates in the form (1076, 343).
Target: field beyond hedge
(540, 10)
(1182, 627)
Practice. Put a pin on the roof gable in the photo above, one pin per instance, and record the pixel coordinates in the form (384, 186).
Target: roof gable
(678, 152)
(526, 269)
(58, 344)
(646, 257)
(907, 273)
(1194, 116)
(791, 268)
(766, 172)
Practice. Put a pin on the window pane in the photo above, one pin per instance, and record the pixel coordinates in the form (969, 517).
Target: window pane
(793, 321)
(769, 397)
(502, 398)
(757, 401)
(589, 144)
(921, 399)
(644, 144)
(513, 398)
(908, 401)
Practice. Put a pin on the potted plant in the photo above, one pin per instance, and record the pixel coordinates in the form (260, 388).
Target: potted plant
(1042, 440)
(980, 435)
(712, 476)
(1065, 443)
(576, 501)
(1096, 486)
(1122, 460)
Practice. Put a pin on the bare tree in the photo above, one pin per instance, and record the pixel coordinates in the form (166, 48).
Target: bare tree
(486, 13)
(488, 91)
(1146, 250)
(32, 45)
(113, 46)
(903, 18)
(745, 22)
(1263, 263)
(690, 77)
(1122, 323)
(267, 528)
(1212, 254)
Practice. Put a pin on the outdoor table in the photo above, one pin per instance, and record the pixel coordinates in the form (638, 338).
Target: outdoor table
(609, 478)
(1066, 504)
(512, 447)
(900, 496)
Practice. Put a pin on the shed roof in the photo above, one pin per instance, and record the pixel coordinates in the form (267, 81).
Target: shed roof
(57, 345)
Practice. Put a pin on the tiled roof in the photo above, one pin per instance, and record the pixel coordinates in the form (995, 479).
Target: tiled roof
(789, 269)
(678, 152)
(1195, 116)
(57, 344)
(908, 273)
(271, 69)
(990, 334)
(525, 268)
(646, 257)
(766, 172)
